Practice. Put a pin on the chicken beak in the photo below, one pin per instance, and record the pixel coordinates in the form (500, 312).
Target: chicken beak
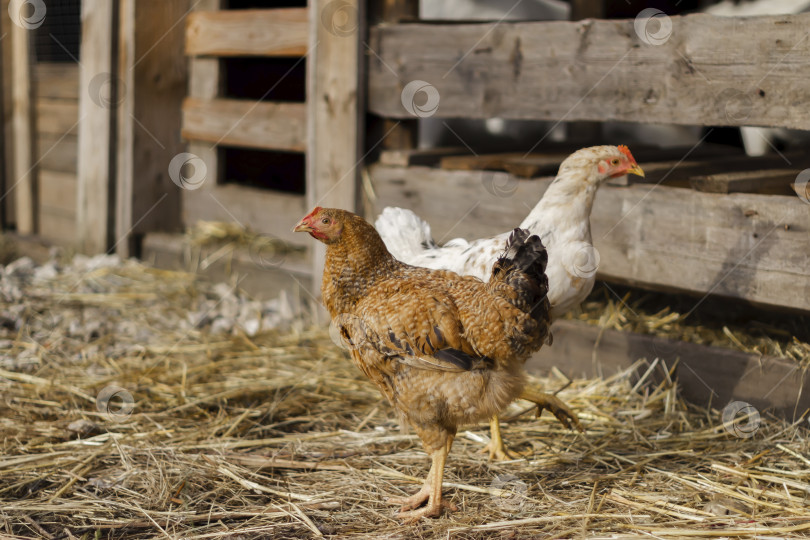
(303, 226)
(636, 170)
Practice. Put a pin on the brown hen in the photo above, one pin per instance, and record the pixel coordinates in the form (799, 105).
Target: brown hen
(444, 349)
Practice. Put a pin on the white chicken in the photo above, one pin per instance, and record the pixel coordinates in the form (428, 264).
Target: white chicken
(561, 219)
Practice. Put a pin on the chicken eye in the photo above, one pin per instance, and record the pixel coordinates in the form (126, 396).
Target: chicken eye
(614, 161)
(325, 221)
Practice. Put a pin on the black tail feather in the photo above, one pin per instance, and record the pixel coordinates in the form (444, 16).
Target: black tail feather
(522, 266)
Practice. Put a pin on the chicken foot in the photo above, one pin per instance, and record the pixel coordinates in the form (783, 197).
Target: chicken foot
(554, 405)
(496, 447)
(431, 491)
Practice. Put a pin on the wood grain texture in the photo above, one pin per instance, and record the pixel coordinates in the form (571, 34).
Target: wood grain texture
(204, 84)
(754, 247)
(706, 375)
(23, 179)
(57, 153)
(333, 114)
(57, 116)
(762, 181)
(233, 122)
(711, 70)
(95, 128)
(56, 80)
(6, 120)
(152, 68)
(248, 32)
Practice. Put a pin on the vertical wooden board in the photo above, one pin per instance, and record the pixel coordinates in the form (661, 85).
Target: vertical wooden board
(95, 136)
(6, 124)
(333, 153)
(204, 83)
(152, 70)
(23, 179)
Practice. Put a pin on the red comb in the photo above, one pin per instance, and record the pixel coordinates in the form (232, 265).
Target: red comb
(626, 151)
(314, 211)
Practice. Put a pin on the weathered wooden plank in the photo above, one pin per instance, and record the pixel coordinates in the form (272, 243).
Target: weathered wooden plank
(419, 156)
(57, 190)
(710, 70)
(248, 32)
(768, 181)
(23, 180)
(706, 375)
(93, 216)
(57, 152)
(233, 122)
(204, 83)
(333, 111)
(261, 210)
(54, 80)
(152, 68)
(57, 116)
(739, 245)
(6, 121)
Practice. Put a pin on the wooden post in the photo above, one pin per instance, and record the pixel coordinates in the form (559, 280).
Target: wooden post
(23, 178)
(97, 87)
(152, 76)
(6, 115)
(204, 83)
(333, 122)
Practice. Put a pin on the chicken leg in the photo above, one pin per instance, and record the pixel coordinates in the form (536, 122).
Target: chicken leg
(431, 490)
(496, 447)
(553, 404)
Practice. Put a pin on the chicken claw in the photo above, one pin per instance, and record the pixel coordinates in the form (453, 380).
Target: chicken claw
(496, 447)
(553, 404)
(431, 509)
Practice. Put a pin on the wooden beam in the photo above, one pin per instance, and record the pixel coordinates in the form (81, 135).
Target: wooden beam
(773, 180)
(23, 179)
(752, 247)
(57, 116)
(6, 120)
(706, 375)
(204, 84)
(334, 127)
(153, 74)
(710, 70)
(96, 82)
(264, 210)
(56, 80)
(232, 122)
(248, 32)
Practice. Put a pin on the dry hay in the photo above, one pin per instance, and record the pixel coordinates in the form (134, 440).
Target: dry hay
(704, 321)
(279, 436)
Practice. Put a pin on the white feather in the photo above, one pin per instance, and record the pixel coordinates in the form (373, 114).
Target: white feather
(561, 219)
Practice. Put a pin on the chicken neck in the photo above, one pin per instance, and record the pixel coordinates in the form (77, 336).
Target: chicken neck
(563, 214)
